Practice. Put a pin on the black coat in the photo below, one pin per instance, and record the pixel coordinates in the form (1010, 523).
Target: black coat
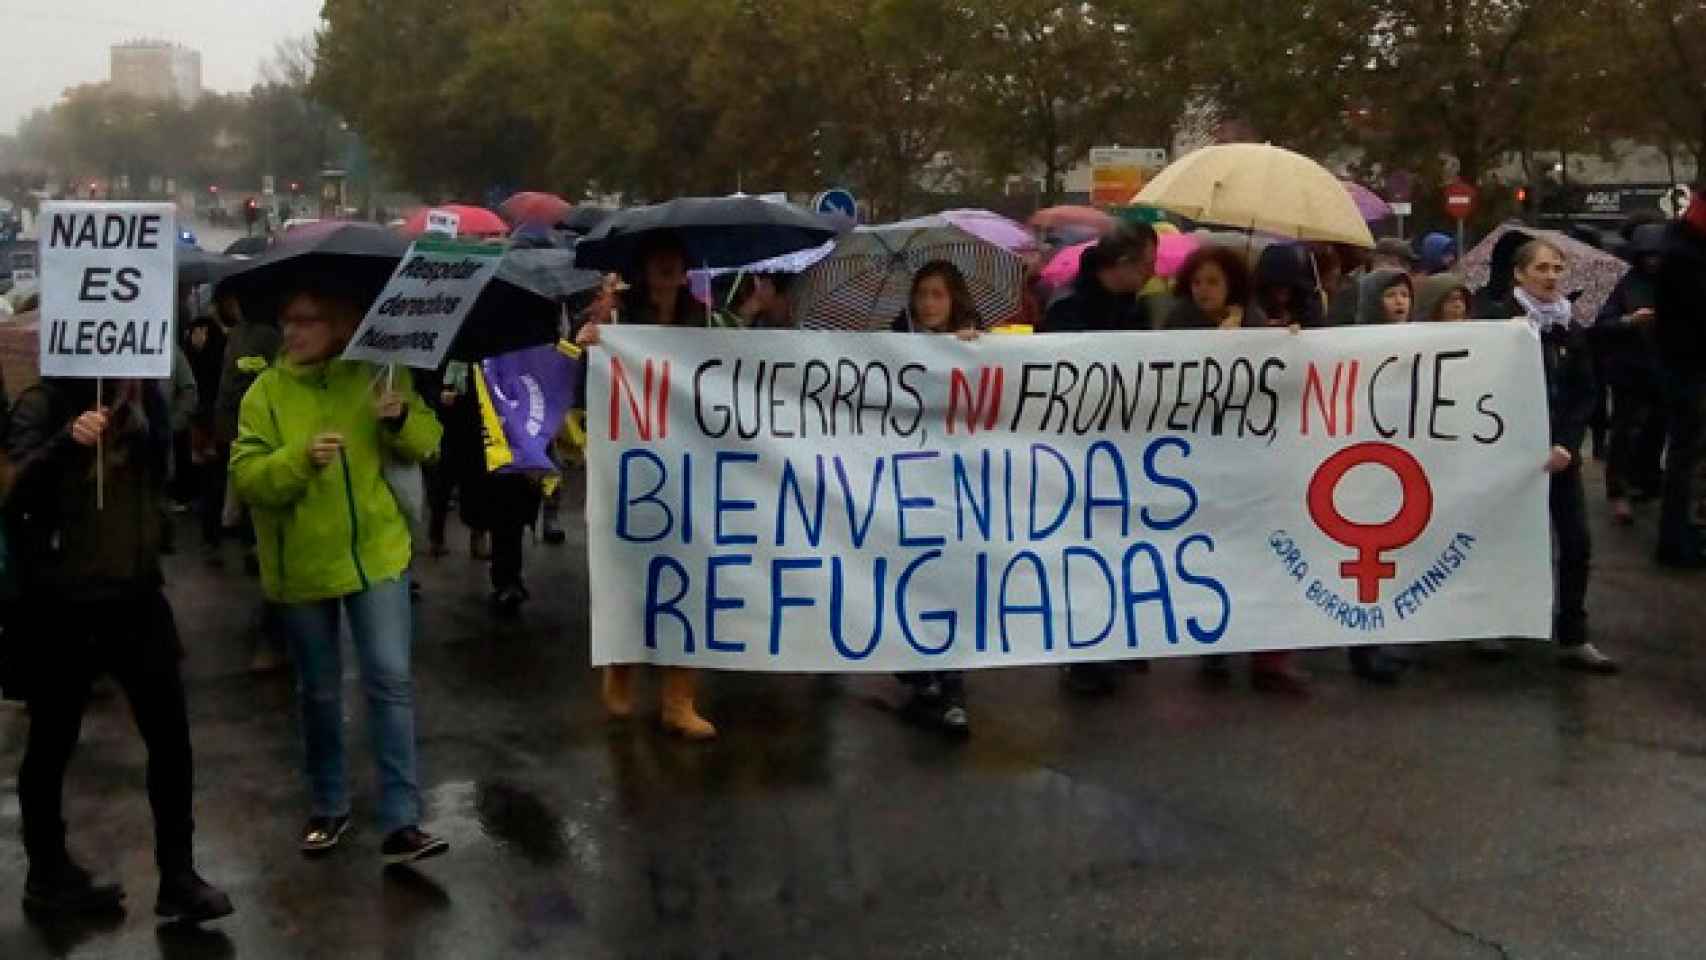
(1626, 350)
(58, 539)
(1571, 393)
(1088, 307)
(1681, 301)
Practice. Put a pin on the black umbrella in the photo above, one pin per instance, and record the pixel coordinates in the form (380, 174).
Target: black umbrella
(197, 266)
(522, 305)
(548, 270)
(583, 220)
(353, 258)
(247, 247)
(716, 232)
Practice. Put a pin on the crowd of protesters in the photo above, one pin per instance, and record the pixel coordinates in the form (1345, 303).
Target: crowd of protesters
(282, 445)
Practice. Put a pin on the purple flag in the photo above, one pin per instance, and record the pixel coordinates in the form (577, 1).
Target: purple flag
(531, 392)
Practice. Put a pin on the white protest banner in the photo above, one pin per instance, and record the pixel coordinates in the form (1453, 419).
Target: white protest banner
(423, 305)
(447, 223)
(888, 502)
(108, 289)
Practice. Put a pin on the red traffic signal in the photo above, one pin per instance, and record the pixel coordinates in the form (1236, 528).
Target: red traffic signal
(1522, 196)
(213, 188)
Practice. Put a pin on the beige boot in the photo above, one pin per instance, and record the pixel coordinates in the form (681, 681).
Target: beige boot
(679, 715)
(619, 691)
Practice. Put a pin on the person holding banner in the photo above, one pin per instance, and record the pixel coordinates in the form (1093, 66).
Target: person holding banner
(1105, 297)
(756, 300)
(315, 434)
(940, 303)
(1111, 275)
(91, 602)
(1212, 290)
(1537, 297)
(657, 295)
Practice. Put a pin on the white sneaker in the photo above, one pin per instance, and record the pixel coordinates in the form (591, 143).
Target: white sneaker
(1586, 657)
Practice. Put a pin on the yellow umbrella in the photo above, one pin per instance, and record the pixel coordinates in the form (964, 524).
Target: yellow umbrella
(1256, 186)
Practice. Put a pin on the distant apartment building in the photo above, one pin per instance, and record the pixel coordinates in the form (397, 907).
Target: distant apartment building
(156, 70)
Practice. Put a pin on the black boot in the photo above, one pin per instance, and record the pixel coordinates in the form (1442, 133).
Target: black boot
(1091, 679)
(186, 898)
(1372, 664)
(61, 886)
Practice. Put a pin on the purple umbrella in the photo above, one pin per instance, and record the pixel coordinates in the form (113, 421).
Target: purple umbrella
(1368, 202)
(993, 227)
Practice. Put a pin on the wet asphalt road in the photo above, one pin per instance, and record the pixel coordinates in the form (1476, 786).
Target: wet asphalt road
(1479, 810)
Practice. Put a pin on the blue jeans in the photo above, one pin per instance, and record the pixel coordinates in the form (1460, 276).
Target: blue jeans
(381, 625)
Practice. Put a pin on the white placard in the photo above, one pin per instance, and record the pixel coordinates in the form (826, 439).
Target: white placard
(108, 289)
(445, 223)
(422, 307)
(831, 502)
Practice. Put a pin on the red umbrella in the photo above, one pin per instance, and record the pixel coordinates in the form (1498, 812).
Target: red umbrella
(476, 222)
(530, 206)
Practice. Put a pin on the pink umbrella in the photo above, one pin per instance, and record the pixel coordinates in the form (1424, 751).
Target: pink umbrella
(1063, 269)
(1175, 247)
(1069, 216)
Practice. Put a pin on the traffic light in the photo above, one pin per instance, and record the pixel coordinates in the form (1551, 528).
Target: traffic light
(251, 211)
(213, 188)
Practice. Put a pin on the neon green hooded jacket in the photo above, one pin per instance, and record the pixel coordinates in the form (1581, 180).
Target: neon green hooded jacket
(336, 530)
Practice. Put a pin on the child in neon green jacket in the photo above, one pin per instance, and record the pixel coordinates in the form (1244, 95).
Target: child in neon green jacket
(313, 437)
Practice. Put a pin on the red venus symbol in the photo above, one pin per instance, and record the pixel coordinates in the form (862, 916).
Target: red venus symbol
(1371, 540)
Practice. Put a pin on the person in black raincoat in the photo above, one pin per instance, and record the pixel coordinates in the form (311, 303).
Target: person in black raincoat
(91, 602)
(1105, 295)
(1286, 289)
(1622, 339)
(1681, 334)
(1535, 295)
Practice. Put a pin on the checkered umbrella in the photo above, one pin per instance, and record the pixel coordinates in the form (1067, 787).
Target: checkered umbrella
(867, 282)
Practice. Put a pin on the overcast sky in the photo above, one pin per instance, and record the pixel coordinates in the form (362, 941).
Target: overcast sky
(48, 45)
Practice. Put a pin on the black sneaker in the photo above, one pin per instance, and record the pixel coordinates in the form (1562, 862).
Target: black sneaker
(187, 898)
(323, 833)
(554, 535)
(66, 888)
(411, 844)
(507, 601)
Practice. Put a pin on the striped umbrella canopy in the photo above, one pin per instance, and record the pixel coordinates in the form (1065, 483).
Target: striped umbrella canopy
(867, 282)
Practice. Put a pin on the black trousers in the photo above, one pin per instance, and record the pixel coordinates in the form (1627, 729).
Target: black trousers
(1570, 538)
(1687, 435)
(1638, 424)
(514, 508)
(136, 640)
(213, 477)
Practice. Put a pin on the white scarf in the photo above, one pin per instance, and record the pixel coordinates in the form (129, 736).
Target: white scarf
(1543, 316)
